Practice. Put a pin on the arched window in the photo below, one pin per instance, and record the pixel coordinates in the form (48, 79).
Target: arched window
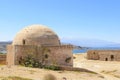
(23, 41)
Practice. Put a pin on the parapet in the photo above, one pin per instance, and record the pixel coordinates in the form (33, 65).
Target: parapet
(61, 46)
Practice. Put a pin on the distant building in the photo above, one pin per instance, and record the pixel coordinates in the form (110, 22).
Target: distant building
(42, 43)
(104, 55)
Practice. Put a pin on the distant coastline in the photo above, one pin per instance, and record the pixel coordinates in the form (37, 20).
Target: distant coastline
(84, 50)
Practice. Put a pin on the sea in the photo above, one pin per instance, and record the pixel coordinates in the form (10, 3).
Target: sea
(84, 50)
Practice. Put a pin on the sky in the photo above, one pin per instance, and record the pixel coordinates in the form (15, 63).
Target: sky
(74, 19)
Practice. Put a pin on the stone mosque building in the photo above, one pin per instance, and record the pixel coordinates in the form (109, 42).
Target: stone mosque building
(41, 43)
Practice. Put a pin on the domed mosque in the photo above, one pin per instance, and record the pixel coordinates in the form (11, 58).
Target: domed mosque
(42, 44)
(36, 35)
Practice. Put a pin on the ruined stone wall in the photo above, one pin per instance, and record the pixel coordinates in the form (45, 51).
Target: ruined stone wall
(10, 55)
(93, 54)
(104, 55)
(110, 55)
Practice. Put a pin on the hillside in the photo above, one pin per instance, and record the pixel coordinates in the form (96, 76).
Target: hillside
(90, 42)
(3, 46)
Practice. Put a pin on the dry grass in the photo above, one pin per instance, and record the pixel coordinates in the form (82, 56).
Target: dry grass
(32, 71)
(108, 72)
(49, 77)
(13, 78)
(101, 76)
(113, 73)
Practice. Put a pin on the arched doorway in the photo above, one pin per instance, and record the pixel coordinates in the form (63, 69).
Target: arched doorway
(112, 57)
(106, 59)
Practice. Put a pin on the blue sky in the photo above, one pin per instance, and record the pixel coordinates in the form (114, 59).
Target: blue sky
(91, 19)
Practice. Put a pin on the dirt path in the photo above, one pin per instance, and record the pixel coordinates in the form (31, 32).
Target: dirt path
(109, 77)
(105, 68)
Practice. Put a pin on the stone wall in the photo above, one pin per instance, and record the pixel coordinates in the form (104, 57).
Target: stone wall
(21, 51)
(2, 58)
(104, 55)
(61, 55)
(93, 54)
(49, 55)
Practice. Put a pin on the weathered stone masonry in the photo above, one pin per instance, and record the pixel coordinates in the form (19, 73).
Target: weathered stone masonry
(43, 44)
(104, 55)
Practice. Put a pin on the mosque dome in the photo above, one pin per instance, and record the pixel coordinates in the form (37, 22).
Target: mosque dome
(36, 35)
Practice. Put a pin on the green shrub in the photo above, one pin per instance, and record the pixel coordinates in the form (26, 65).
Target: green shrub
(29, 61)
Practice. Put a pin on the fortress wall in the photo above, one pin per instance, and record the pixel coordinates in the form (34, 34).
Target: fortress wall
(104, 55)
(110, 55)
(118, 57)
(92, 54)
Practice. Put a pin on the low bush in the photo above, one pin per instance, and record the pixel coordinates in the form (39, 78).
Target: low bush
(29, 61)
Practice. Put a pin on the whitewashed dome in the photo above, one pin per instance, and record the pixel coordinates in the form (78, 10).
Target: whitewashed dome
(36, 35)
